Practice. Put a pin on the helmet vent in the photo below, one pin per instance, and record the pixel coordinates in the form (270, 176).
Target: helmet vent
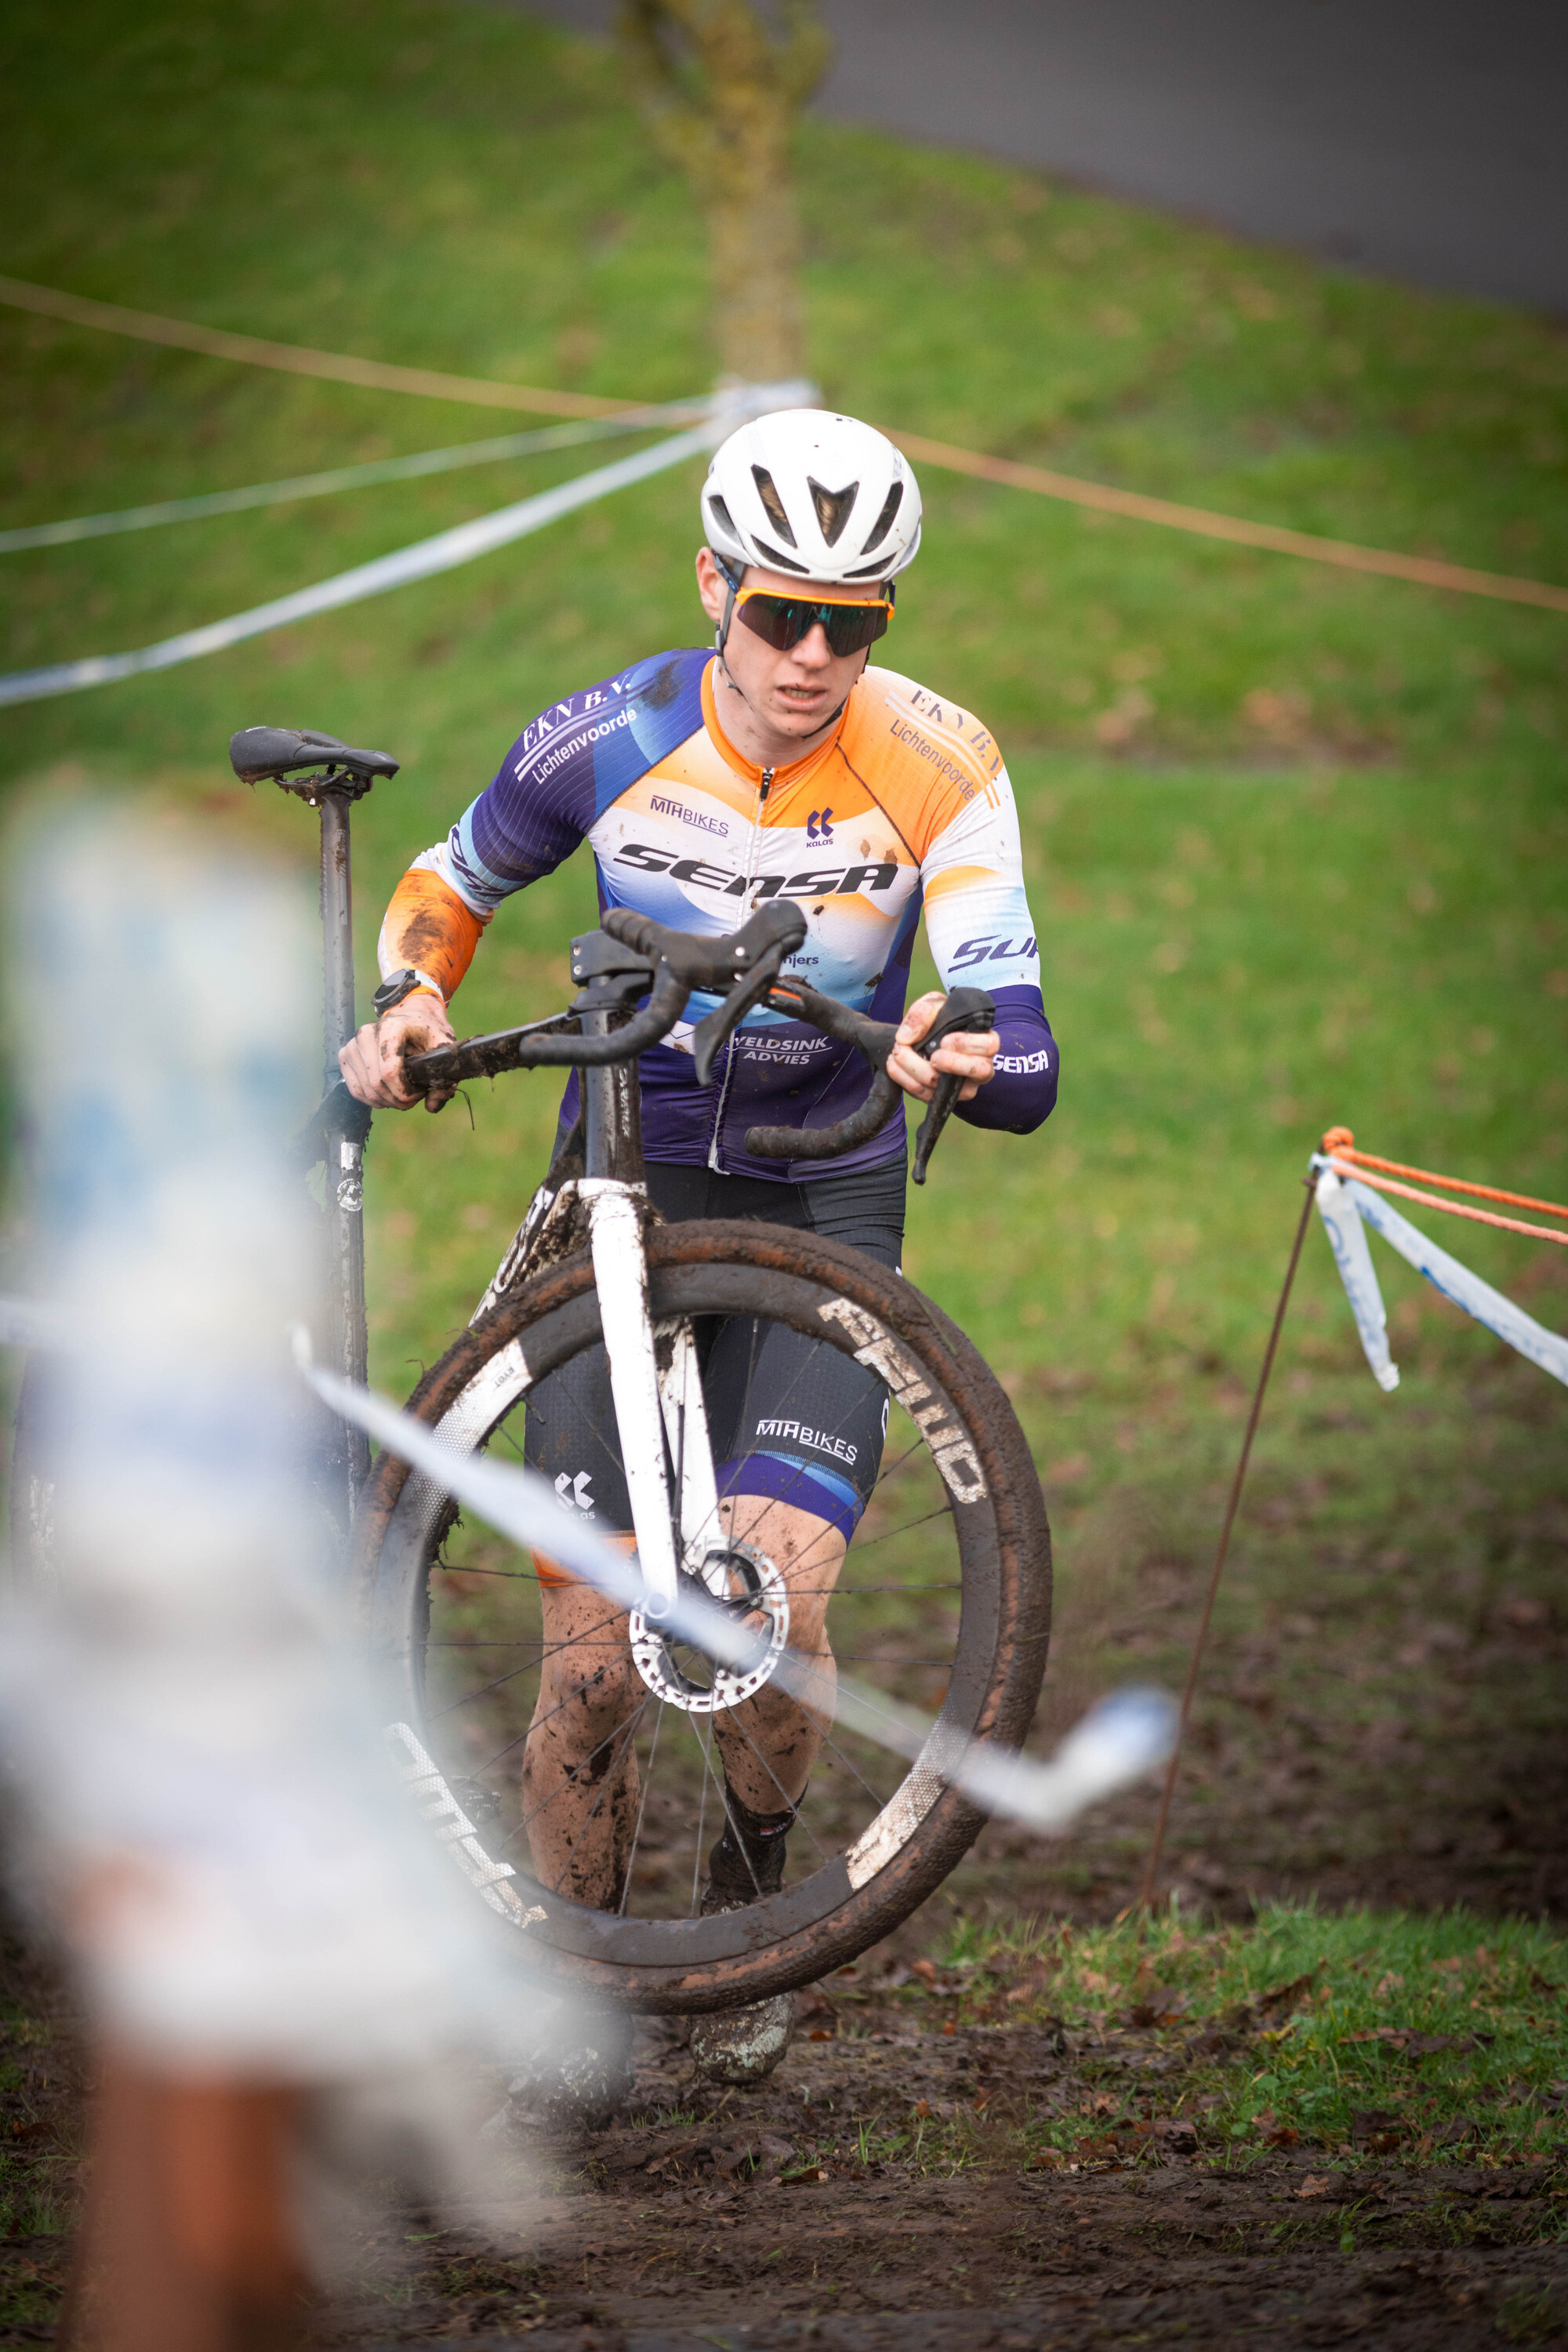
(884, 523)
(767, 490)
(833, 509)
(781, 563)
(721, 514)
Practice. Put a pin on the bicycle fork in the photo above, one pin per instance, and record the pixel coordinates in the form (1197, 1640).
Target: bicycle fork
(655, 1387)
(651, 1405)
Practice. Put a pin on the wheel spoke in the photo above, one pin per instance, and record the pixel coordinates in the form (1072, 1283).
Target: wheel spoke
(642, 1807)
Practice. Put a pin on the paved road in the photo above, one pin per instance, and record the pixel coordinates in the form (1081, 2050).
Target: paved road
(1422, 139)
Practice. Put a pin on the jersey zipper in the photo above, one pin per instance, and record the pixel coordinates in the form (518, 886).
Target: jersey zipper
(753, 850)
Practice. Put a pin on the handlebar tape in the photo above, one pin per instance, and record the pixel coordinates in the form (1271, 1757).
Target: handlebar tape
(711, 964)
(830, 1142)
(550, 1045)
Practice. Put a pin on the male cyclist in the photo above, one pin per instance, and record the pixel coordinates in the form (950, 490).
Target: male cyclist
(777, 765)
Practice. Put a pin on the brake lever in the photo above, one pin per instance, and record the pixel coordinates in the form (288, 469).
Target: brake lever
(725, 1019)
(965, 1009)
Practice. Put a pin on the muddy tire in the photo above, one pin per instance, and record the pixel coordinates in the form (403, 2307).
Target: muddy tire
(985, 1527)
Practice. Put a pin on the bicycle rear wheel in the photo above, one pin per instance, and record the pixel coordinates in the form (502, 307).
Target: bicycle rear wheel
(943, 1602)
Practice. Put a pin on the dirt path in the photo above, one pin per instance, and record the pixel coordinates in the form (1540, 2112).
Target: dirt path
(707, 2220)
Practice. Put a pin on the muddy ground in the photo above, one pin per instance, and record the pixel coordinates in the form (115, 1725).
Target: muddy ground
(697, 2219)
(753, 2219)
(1382, 1722)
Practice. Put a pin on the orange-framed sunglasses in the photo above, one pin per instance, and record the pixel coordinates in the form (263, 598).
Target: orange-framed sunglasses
(782, 622)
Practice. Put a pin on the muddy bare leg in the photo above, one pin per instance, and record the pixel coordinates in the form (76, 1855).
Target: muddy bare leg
(770, 1743)
(580, 1769)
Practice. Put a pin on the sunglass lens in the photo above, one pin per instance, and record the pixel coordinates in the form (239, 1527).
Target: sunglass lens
(782, 621)
(851, 627)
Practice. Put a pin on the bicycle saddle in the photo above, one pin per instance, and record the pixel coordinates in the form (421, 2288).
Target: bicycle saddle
(277, 751)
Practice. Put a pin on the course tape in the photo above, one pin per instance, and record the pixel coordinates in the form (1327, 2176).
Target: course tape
(421, 562)
(347, 478)
(1426, 572)
(1347, 1239)
(1531, 1339)
(298, 358)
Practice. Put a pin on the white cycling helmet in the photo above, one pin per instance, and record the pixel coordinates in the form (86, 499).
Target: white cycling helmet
(804, 490)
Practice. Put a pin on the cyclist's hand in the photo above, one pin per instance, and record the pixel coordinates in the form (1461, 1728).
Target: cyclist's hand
(972, 1059)
(371, 1061)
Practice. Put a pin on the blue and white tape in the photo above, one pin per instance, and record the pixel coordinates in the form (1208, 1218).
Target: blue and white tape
(1345, 1204)
(730, 407)
(348, 477)
(422, 561)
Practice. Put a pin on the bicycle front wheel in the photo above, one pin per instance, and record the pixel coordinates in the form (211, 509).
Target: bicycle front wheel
(942, 1604)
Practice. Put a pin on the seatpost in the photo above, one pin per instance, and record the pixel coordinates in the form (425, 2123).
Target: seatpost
(347, 1337)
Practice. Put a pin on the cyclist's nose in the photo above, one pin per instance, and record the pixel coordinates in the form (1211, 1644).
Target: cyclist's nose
(814, 652)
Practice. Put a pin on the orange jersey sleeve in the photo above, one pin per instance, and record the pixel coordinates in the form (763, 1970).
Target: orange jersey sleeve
(430, 926)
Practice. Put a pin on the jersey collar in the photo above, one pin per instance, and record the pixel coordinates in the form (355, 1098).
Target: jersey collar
(782, 777)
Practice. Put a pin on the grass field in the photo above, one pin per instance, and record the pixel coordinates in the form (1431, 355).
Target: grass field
(1296, 840)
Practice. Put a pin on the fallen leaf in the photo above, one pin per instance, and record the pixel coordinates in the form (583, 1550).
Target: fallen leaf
(1378, 2128)
(1157, 2005)
(1047, 2159)
(1286, 1995)
(925, 1971)
(1315, 2185)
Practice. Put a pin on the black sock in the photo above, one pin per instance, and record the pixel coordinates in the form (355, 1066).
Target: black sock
(749, 1859)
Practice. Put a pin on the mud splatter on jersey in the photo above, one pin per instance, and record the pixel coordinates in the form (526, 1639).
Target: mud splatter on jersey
(906, 807)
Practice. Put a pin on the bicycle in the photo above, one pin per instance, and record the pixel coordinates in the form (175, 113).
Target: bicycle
(953, 1617)
(589, 1264)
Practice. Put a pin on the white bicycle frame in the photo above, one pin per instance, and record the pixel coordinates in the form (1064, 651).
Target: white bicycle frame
(661, 1416)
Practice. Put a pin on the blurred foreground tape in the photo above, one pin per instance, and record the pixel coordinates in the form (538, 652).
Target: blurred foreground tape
(263, 1936)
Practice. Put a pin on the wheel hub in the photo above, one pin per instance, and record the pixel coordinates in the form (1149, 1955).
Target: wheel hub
(751, 1591)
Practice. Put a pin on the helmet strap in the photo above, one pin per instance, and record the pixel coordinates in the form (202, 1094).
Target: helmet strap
(733, 588)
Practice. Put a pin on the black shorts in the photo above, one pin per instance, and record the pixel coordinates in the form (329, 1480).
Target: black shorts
(790, 1418)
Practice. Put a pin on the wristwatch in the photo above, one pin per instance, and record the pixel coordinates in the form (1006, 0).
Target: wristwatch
(398, 985)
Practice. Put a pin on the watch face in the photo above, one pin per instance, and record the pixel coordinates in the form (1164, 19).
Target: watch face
(393, 990)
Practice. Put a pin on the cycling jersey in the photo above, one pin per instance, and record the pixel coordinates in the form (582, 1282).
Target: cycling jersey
(906, 804)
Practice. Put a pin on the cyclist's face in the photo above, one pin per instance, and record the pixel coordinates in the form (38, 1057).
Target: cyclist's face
(794, 692)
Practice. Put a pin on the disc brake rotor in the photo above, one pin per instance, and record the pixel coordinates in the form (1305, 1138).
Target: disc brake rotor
(748, 1586)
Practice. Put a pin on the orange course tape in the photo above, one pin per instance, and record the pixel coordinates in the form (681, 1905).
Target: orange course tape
(295, 358)
(1339, 1145)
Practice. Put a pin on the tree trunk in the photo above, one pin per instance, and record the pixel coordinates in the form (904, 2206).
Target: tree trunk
(723, 93)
